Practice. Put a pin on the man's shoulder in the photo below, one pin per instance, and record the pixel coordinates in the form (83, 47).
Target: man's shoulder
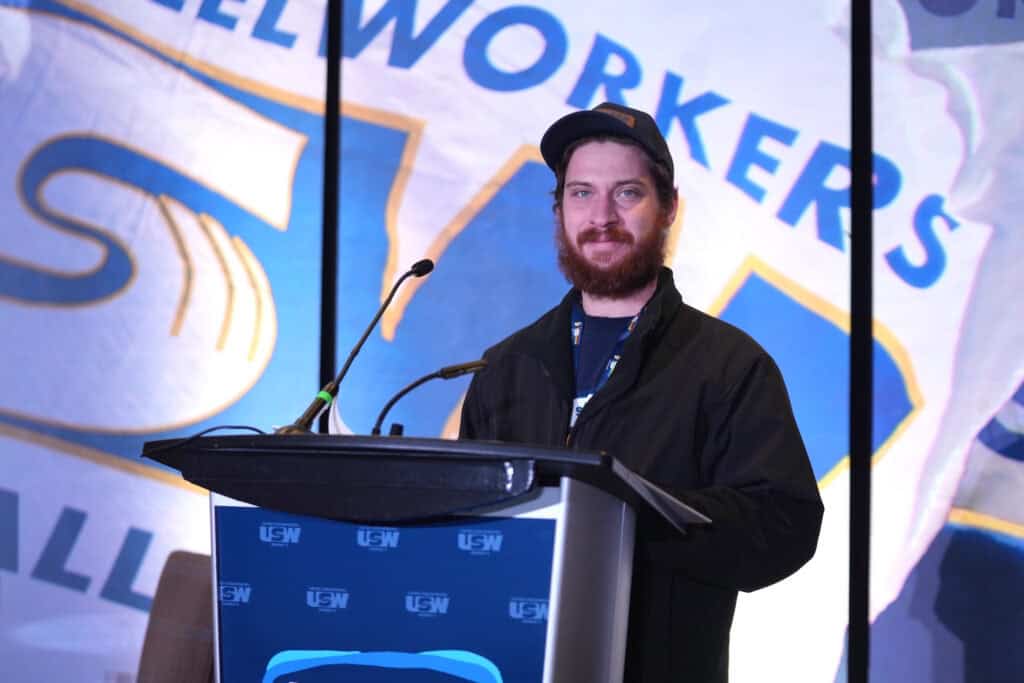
(684, 326)
(716, 349)
(695, 326)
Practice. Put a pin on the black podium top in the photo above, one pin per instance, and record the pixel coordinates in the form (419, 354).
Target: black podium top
(392, 479)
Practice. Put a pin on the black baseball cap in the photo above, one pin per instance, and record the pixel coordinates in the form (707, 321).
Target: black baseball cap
(605, 119)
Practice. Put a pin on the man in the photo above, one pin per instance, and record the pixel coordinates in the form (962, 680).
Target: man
(687, 401)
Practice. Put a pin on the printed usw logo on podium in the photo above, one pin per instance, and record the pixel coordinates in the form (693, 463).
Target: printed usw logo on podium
(426, 604)
(479, 541)
(280, 534)
(528, 610)
(377, 538)
(326, 599)
(234, 593)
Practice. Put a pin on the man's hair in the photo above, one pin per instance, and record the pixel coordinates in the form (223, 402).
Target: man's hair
(664, 185)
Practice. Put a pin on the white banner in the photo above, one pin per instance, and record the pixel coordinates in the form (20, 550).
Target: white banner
(159, 266)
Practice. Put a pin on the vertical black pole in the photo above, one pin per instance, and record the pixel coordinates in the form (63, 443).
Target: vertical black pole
(861, 341)
(331, 188)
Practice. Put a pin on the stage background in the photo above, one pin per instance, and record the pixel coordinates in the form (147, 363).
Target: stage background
(160, 267)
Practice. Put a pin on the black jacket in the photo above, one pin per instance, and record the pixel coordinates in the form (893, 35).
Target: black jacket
(700, 409)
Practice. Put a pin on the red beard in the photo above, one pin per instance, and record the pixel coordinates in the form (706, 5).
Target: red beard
(631, 274)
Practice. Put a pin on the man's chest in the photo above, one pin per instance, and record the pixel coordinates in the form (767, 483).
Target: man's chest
(656, 426)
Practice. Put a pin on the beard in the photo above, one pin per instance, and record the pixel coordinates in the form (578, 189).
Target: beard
(631, 274)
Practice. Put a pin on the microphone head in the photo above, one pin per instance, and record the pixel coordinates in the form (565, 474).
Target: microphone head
(462, 369)
(421, 268)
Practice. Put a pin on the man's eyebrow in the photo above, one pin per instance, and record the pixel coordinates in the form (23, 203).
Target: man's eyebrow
(638, 180)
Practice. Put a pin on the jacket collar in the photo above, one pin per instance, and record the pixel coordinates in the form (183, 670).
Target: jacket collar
(549, 340)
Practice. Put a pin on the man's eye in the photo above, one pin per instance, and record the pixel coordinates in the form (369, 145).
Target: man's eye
(581, 194)
(629, 193)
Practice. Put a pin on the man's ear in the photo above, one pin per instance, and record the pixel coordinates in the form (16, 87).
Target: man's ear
(670, 213)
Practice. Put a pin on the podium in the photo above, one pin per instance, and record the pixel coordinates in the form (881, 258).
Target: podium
(407, 559)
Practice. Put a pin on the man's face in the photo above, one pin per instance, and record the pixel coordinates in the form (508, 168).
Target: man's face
(611, 241)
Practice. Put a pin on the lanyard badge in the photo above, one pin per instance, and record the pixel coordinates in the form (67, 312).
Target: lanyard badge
(576, 332)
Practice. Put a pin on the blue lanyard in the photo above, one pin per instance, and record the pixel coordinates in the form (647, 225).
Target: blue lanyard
(576, 331)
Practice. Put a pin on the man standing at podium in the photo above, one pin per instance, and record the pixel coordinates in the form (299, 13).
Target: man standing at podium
(685, 400)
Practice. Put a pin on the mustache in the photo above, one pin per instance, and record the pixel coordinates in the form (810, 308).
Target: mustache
(609, 234)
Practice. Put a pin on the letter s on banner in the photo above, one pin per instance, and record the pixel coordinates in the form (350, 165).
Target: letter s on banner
(113, 225)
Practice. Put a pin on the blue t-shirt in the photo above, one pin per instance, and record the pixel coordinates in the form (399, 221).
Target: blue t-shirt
(599, 338)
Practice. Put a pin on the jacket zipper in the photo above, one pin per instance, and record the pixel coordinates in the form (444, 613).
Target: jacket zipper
(571, 434)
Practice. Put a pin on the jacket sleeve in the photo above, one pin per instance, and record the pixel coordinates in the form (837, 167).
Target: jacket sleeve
(762, 496)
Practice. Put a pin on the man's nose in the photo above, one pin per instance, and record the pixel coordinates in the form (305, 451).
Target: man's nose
(605, 210)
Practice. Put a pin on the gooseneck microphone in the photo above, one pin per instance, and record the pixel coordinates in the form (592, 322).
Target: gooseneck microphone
(448, 372)
(330, 391)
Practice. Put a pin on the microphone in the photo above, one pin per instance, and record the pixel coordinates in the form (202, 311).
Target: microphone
(330, 390)
(448, 372)
(421, 268)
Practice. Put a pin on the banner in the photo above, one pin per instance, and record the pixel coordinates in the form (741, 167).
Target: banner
(160, 262)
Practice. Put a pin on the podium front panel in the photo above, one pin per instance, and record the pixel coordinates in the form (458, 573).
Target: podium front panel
(303, 599)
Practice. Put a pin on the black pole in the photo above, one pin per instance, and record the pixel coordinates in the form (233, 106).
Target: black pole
(861, 341)
(331, 190)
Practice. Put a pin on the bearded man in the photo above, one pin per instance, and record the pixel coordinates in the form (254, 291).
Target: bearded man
(689, 402)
